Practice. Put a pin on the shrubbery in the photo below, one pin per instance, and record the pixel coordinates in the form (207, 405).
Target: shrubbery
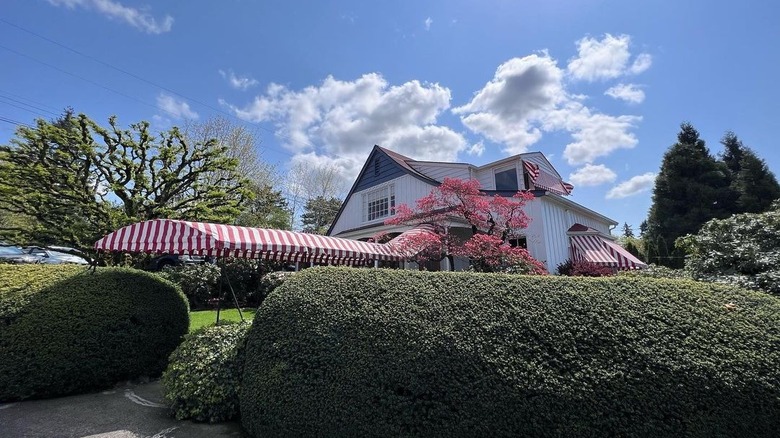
(67, 330)
(364, 352)
(584, 269)
(200, 283)
(272, 280)
(204, 374)
(743, 250)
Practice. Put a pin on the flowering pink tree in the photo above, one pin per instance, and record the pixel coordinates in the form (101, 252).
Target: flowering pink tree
(493, 221)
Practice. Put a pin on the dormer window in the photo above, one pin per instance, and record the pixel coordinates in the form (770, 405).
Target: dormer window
(506, 179)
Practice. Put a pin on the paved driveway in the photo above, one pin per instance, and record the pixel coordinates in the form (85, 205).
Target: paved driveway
(127, 411)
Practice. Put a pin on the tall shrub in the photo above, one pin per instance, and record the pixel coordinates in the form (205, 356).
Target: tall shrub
(67, 330)
(352, 352)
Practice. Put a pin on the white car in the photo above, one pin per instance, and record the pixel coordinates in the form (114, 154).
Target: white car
(52, 256)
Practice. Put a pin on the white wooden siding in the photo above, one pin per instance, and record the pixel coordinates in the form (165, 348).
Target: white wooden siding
(439, 171)
(538, 158)
(556, 219)
(486, 176)
(408, 190)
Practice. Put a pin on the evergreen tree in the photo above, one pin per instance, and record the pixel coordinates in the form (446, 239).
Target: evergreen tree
(691, 188)
(627, 231)
(754, 185)
(643, 228)
(319, 213)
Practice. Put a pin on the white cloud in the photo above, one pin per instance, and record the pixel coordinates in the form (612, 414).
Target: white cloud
(527, 98)
(337, 122)
(477, 149)
(428, 22)
(605, 59)
(238, 82)
(634, 186)
(176, 108)
(137, 18)
(592, 175)
(627, 92)
(641, 63)
(519, 96)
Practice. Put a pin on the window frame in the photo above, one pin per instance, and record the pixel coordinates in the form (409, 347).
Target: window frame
(499, 170)
(378, 203)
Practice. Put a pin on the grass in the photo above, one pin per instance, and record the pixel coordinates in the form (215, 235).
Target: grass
(202, 318)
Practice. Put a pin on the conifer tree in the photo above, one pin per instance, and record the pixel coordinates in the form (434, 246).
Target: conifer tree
(754, 185)
(691, 188)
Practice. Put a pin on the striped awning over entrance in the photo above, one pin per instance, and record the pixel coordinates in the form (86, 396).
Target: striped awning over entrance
(596, 249)
(183, 237)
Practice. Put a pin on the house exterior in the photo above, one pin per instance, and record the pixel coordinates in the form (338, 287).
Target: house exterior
(388, 179)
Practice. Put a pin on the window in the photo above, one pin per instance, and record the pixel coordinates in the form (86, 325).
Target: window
(519, 242)
(506, 179)
(379, 203)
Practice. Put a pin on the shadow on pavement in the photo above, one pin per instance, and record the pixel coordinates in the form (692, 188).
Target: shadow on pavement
(126, 411)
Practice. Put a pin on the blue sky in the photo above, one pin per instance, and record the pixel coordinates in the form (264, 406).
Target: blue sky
(600, 87)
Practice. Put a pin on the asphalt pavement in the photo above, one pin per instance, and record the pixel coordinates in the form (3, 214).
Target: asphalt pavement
(128, 410)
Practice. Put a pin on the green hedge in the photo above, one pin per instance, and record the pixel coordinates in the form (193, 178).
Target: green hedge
(66, 330)
(204, 374)
(365, 352)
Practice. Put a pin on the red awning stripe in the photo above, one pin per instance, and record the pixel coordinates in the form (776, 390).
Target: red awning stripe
(591, 249)
(625, 259)
(550, 183)
(183, 237)
(596, 249)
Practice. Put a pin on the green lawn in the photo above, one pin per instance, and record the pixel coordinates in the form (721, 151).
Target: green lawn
(202, 318)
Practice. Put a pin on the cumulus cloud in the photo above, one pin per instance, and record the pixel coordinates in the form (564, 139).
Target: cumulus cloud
(607, 58)
(592, 175)
(527, 98)
(633, 186)
(137, 18)
(238, 82)
(337, 122)
(428, 22)
(630, 93)
(176, 108)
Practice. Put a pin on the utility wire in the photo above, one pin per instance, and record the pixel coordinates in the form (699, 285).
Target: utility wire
(154, 84)
(4, 96)
(12, 122)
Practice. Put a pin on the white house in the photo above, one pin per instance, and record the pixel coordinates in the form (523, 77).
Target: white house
(560, 228)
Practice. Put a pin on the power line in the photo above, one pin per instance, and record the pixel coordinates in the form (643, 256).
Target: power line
(23, 108)
(162, 87)
(12, 122)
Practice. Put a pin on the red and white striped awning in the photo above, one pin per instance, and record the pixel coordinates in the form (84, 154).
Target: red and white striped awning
(596, 249)
(590, 248)
(184, 237)
(412, 242)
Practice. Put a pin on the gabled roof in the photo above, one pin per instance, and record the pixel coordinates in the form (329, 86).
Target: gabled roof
(401, 161)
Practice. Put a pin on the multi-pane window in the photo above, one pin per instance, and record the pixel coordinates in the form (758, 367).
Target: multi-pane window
(379, 203)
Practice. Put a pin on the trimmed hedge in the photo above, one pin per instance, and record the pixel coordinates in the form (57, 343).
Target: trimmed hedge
(366, 352)
(204, 374)
(66, 330)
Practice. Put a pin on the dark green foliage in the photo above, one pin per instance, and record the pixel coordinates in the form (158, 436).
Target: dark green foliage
(66, 330)
(203, 378)
(627, 230)
(272, 280)
(584, 269)
(198, 282)
(79, 180)
(319, 213)
(268, 209)
(743, 249)
(657, 271)
(691, 188)
(244, 275)
(360, 352)
(752, 182)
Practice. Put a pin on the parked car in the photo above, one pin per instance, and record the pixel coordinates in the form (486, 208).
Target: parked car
(159, 262)
(57, 255)
(13, 254)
